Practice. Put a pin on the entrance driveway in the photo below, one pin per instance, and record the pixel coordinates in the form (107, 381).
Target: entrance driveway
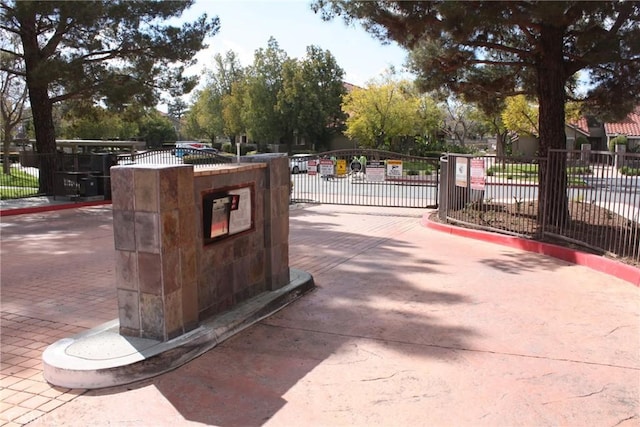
(408, 326)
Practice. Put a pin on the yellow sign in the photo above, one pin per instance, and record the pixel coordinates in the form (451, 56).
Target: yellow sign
(341, 167)
(394, 168)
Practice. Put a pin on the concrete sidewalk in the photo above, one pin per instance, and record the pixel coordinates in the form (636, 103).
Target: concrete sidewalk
(408, 326)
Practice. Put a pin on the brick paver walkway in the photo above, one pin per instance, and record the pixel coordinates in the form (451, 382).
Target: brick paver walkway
(408, 326)
(57, 280)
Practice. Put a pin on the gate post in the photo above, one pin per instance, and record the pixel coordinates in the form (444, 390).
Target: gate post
(443, 190)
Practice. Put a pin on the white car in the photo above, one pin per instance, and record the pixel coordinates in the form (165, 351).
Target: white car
(298, 163)
(185, 147)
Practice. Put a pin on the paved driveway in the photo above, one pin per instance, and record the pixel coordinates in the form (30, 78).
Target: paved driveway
(408, 326)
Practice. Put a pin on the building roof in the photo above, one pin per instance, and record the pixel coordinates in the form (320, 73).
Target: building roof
(581, 125)
(349, 87)
(630, 126)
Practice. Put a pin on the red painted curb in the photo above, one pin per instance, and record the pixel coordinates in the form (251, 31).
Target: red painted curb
(47, 208)
(595, 262)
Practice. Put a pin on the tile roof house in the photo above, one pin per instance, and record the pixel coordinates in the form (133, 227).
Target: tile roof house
(599, 134)
(630, 127)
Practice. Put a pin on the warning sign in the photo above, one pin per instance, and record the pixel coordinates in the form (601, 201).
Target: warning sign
(477, 174)
(341, 167)
(394, 168)
(326, 167)
(375, 171)
(312, 167)
(461, 171)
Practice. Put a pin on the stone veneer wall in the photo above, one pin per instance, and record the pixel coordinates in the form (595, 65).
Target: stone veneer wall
(167, 279)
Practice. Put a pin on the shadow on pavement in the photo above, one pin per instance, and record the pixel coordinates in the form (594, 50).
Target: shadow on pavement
(363, 301)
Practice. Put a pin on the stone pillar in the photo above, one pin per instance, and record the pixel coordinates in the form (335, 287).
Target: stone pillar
(276, 222)
(154, 223)
(585, 152)
(621, 150)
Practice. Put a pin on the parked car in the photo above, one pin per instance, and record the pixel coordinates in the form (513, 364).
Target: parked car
(186, 147)
(298, 163)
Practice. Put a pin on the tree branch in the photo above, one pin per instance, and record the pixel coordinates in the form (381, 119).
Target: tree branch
(61, 29)
(498, 46)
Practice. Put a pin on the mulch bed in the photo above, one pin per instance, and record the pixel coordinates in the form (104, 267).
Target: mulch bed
(601, 231)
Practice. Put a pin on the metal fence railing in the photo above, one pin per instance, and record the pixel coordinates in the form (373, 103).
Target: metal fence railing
(590, 198)
(84, 176)
(20, 176)
(602, 209)
(366, 178)
(493, 193)
(196, 157)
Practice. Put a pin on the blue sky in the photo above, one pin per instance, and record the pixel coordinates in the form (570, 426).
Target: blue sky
(246, 25)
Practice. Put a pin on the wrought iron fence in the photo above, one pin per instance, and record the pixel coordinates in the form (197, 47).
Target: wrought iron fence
(21, 178)
(590, 198)
(85, 176)
(193, 156)
(365, 177)
(602, 209)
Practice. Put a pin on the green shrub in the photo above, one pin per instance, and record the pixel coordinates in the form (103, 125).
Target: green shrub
(228, 147)
(579, 170)
(196, 159)
(629, 171)
(618, 140)
(413, 172)
(432, 154)
(634, 148)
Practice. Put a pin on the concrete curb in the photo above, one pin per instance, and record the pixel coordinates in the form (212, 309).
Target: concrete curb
(101, 357)
(595, 262)
(47, 208)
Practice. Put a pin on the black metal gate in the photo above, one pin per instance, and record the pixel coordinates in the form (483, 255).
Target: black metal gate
(366, 178)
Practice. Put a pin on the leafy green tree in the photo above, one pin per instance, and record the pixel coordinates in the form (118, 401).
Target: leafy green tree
(89, 122)
(520, 115)
(13, 102)
(311, 96)
(155, 129)
(233, 108)
(110, 50)
(510, 48)
(177, 110)
(381, 113)
(430, 118)
(206, 118)
(490, 114)
(264, 83)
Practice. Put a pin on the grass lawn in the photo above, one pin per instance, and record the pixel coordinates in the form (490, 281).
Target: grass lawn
(17, 184)
(18, 178)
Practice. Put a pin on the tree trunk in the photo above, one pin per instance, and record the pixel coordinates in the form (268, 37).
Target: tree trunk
(42, 110)
(6, 161)
(553, 201)
(500, 144)
(41, 105)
